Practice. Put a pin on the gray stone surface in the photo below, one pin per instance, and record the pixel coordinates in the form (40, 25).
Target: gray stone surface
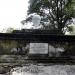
(46, 70)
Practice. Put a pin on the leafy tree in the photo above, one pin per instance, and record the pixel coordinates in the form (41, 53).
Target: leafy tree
(8, 30)
(54, 13)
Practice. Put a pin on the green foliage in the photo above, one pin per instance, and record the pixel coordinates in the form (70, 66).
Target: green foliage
(69, 9)
(34, 6)
(57, 12)
(6, 46)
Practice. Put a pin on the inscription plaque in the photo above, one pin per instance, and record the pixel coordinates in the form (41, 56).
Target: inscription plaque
(38, 48)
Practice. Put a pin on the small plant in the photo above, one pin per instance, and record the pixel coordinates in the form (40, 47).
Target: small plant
(69, 29)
